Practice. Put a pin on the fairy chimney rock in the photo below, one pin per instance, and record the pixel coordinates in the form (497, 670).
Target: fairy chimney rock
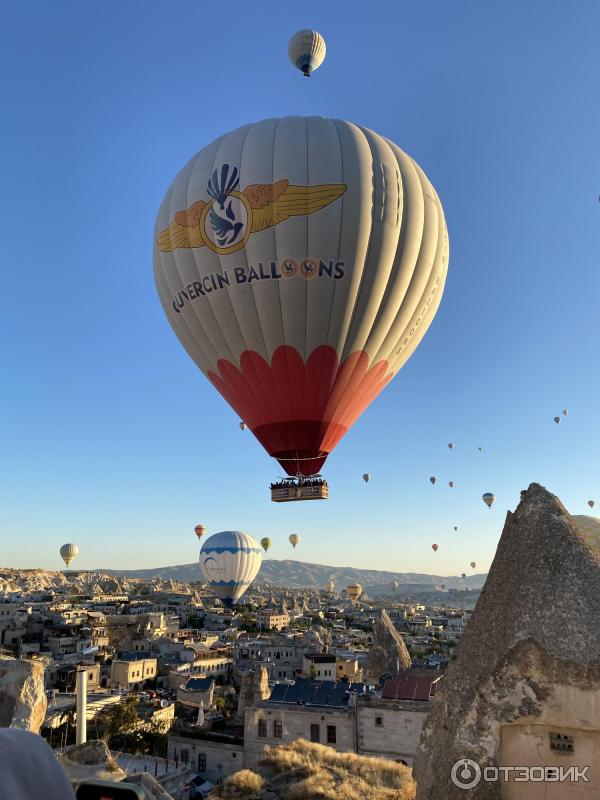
(388, 653)
(527, 669)
(22, 695)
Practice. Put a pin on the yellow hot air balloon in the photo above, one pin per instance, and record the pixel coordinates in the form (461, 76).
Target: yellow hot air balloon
(354, 591)
(266, 543)
(68, 553)
(300, 261)
(293, 539)
(199, 530)
(588, 527)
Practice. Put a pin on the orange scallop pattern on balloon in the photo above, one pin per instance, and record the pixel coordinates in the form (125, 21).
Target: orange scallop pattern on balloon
(299, 411)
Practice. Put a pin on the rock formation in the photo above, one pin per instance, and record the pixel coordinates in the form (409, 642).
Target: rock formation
(388, 653)
(255, 686)
(528, 665)
(91, 761)
(22, 695)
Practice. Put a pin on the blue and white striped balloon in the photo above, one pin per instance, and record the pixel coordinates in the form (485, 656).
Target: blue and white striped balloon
(230, 561)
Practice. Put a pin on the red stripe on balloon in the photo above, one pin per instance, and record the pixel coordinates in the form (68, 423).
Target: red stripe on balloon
(300, 411)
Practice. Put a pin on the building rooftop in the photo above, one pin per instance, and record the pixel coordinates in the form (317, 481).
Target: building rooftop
(405, 687)
(306, 691)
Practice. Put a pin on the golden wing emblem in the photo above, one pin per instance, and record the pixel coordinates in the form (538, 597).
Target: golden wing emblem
(184, 231)
(274, 203)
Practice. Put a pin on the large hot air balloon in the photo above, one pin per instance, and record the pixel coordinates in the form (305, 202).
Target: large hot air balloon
(588, 527)
(433, 479)
(293, 539)
(300, 261)
(591, 503)
(354, 592)
(68, 553)
(473, 565)
(366, 477)
(199, 530)
(306, 50)
(435, 548)
(489, 499)
(229, 562)
(266, 543)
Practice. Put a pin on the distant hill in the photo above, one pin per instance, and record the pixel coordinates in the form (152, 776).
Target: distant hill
(300, 574)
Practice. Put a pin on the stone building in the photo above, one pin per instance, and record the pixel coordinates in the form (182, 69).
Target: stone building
(132, 670)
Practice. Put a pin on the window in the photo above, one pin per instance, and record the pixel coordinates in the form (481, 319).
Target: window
(315, 733)
(201, 762)
(379, 722)
(262, 728)
(331, 734)
(185, 756)
(277, 729)
(562, 743)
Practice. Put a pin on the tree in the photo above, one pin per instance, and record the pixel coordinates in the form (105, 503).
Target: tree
(123, 717)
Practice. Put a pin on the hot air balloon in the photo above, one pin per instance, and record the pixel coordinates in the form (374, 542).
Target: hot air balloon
(450, 484)
(464, 575)
(394, 585)
(330, 586)
(456, 527)
(68, 553)
(300, 261)
(450, 445)
(591, 503)
(480, 449)
(306, 50)
(266, 543)
(435, 548)
(588, 527)
(473, 565)
(433, 479)
(294, 539)
(565, 412)
(354, 592)
(489, 499)
(243, 426)
(229, 562)
(443, 586)
(199, 530)
(557, 420)
(366, 477)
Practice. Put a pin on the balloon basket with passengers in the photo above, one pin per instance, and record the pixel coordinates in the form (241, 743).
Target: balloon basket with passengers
(289, 490)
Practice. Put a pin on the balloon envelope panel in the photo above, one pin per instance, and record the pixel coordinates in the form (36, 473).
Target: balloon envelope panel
(229, 562)
(300, 261)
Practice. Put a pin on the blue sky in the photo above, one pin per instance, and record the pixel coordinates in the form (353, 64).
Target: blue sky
(109, 435)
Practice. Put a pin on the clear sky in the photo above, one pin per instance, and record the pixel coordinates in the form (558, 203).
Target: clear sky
(109, 435)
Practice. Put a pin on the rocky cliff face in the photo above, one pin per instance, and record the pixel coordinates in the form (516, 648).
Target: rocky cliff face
(388, 653)
(22, 696)
(530, 655)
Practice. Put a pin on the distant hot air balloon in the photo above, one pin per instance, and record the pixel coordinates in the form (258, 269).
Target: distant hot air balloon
(480, 449)
(243, 426)
(435, 548)
(464, 575)
(443, 586)
(456, 527)
(229, 562)
(300, 261)
(557, 420)
(330, 586)
(394, 585)
(565, 412)
(433, 479)
(266, 543)
(473, 565)
(199, 530)
(68, 553)
(306, 50)
(450, 484)
(366, 477)
(354, 592)
(591, 503)
(489, 499)
(450, 445)
(293, 539)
